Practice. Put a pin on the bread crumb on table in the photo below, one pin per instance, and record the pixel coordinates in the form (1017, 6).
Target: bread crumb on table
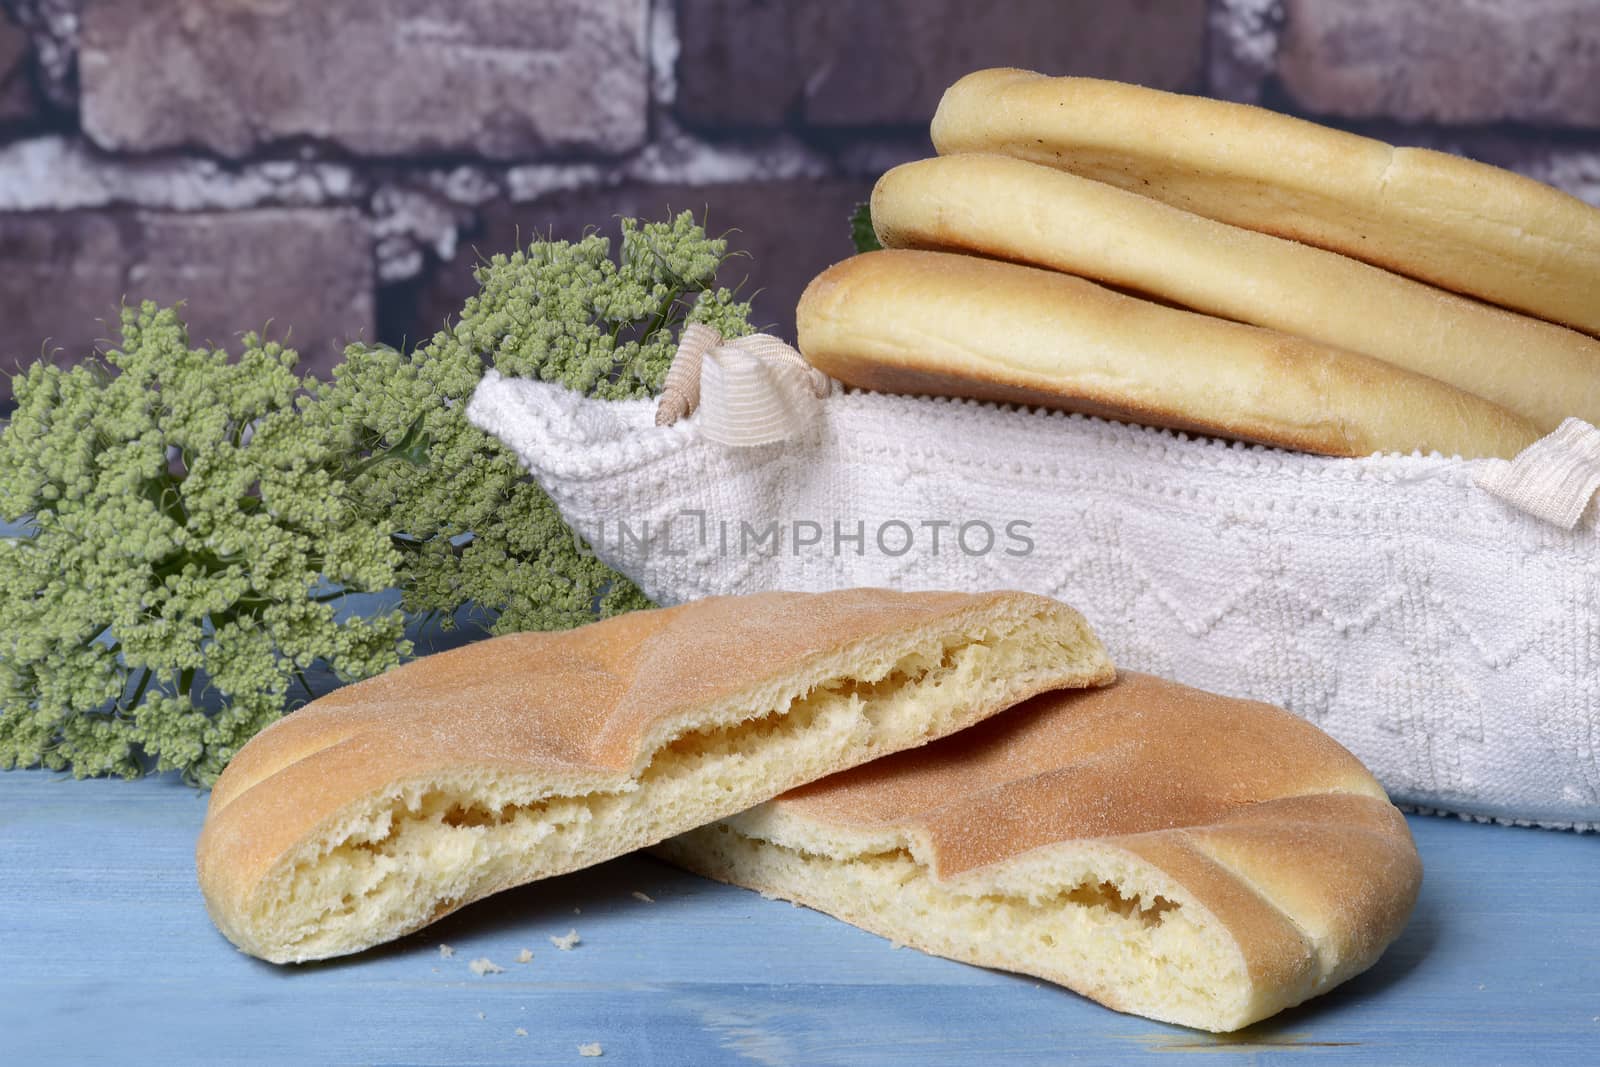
(445, 952)
(566, 941)
(525, 956)
(484, 965)
(591, 1049)
(643, 898)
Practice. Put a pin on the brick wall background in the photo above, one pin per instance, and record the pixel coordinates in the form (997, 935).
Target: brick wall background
(333, 166)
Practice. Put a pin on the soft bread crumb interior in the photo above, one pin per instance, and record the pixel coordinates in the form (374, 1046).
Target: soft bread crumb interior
(1090, 917)
(395, 863)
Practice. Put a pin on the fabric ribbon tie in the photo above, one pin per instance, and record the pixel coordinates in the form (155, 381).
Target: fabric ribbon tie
(753, 390)
(1554, 478)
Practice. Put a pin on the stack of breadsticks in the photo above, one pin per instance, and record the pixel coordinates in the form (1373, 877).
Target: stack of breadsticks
(1206, 266)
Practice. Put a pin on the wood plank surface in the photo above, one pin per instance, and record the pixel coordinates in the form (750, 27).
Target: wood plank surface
(107, 957)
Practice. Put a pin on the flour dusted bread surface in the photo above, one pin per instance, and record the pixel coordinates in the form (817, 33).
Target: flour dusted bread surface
(1465, 226)
(1168, 852)
(1011, 209)
(939, 323)
(392, 802)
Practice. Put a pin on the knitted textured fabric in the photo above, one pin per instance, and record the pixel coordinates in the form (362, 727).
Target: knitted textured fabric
(1449, 640)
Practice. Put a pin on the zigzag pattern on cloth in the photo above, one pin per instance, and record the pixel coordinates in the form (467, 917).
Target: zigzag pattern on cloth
(1448, 640)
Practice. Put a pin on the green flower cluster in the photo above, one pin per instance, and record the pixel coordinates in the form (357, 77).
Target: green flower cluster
(473, 529)
(193, 520)
(862, 234)
(185, 520)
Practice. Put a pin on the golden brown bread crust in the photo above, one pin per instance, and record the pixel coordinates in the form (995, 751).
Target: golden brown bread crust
(576, 701)
(1011, 209)
(955, 325)
(1461, 225)
(1139, 756)
(1261, 825)
(508, 723)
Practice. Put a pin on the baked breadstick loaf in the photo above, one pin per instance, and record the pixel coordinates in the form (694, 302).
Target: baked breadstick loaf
(392, 802)
(1010, 209)
(937, 323)
(1168, 852)
(1465, 226)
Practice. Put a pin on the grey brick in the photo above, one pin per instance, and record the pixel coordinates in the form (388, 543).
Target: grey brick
(1532, 60)
(63, 276)
(738, 63)
(16, 93)
(749, 62)
(498, 78)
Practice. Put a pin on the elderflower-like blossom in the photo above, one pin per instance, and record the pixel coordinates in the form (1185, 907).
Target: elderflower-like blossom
(473, 528)
(182, 517)
(193, 520)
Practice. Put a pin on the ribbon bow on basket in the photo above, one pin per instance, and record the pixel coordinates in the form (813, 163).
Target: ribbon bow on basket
(1553, 479)
(752, 390)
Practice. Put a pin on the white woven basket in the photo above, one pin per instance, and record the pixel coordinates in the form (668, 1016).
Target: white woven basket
(1449, 640)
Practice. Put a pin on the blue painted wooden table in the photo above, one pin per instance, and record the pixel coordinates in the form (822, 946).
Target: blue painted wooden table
(106, 956)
